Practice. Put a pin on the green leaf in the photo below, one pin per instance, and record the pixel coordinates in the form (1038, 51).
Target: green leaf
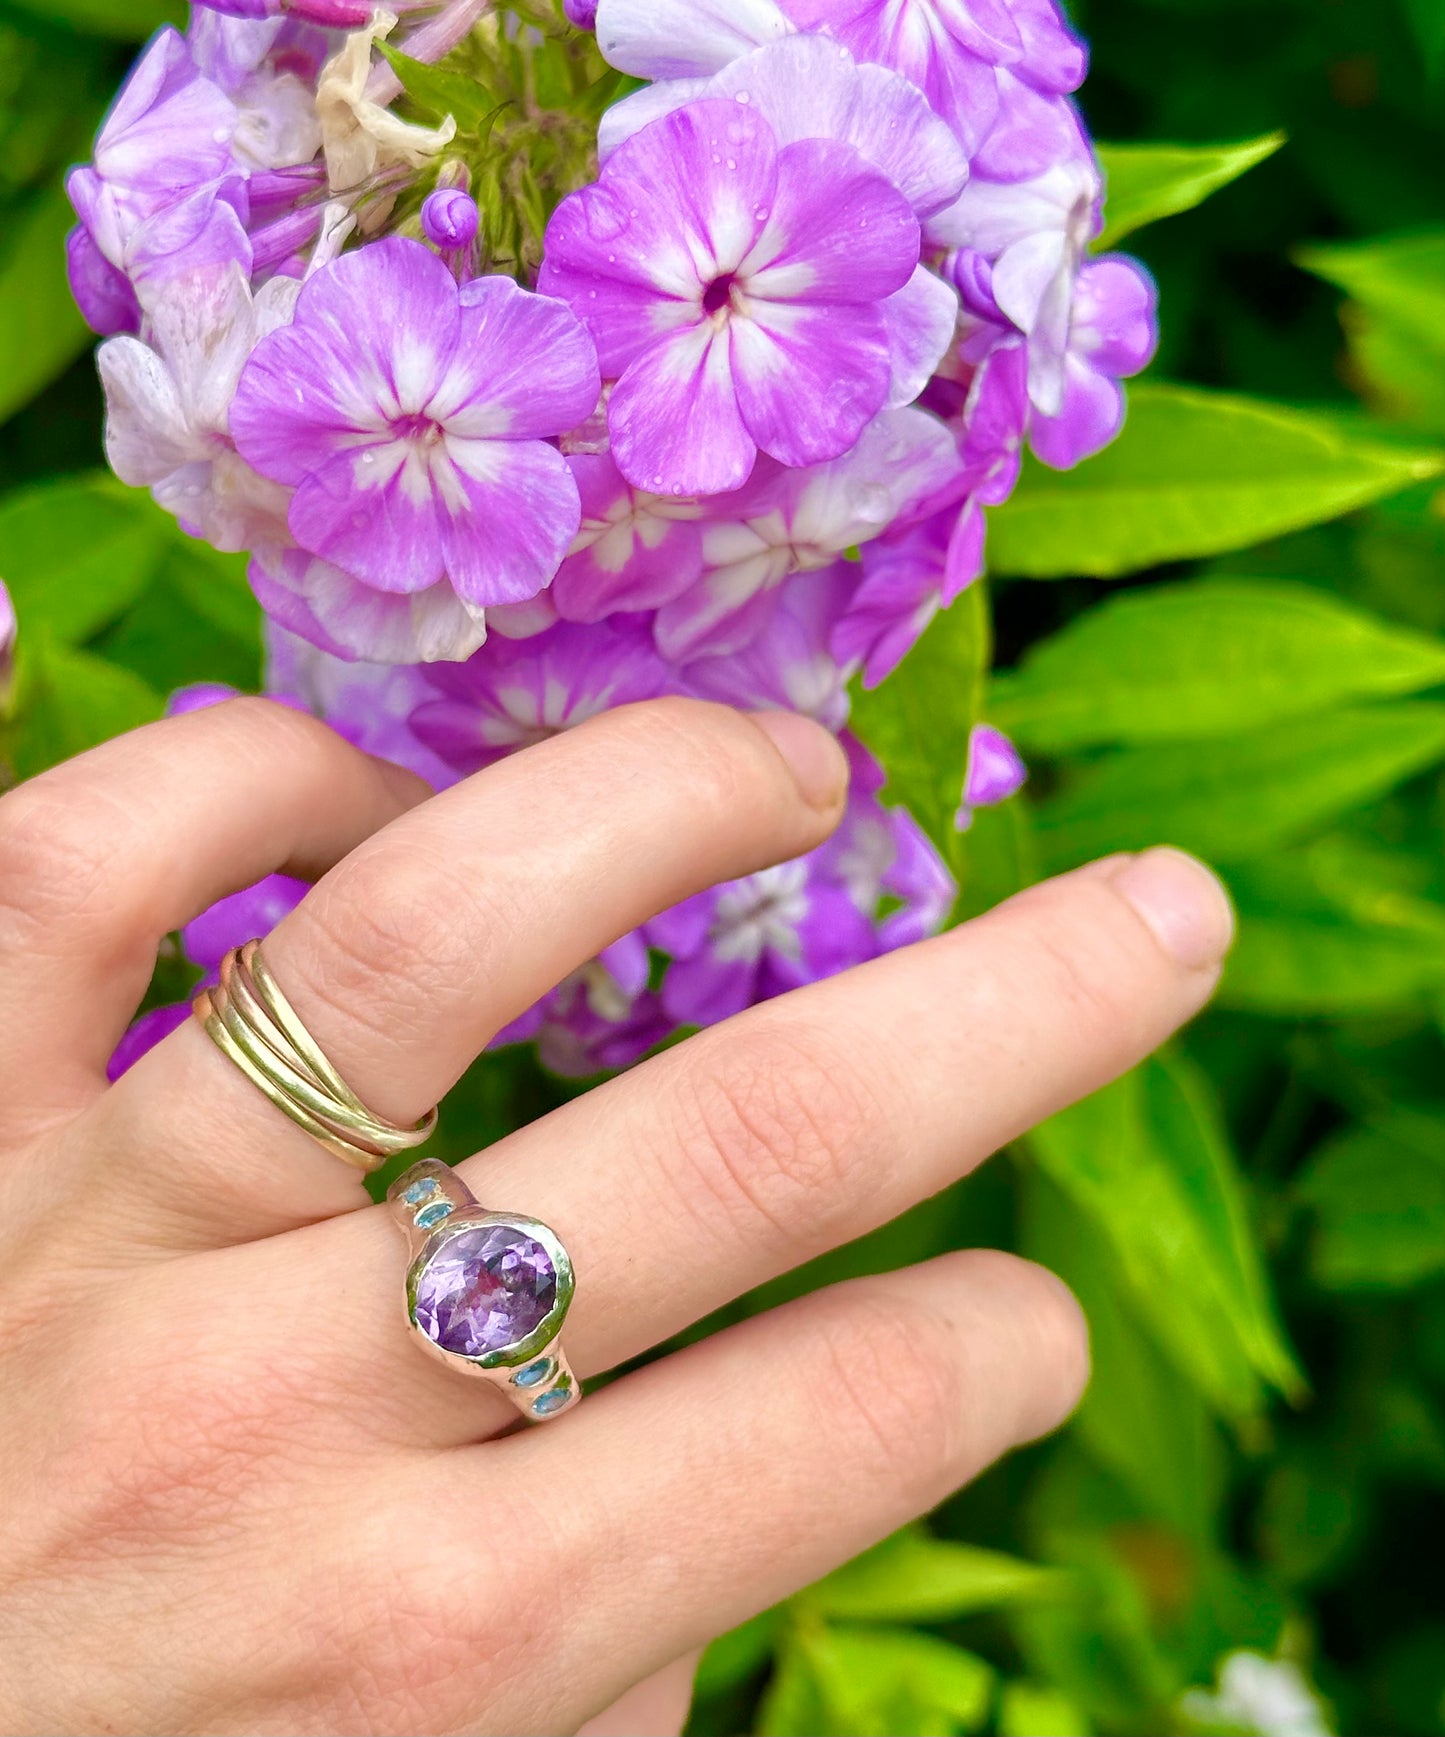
(442, 90)
(1146, 182)
(915, 1577)
(1394, 323)
(1038, 1710)
(1194, 473)
(874, 1682)
(1427, 17)
(1241, 795)
(41, 331)
(1329, 930)
(918, 722)
(125, 20)
(1378, 1196)
(1210, 657)
(1140, 1419)
(77, 553)
(735, 1656)
(70, 701)
(1149, 1163)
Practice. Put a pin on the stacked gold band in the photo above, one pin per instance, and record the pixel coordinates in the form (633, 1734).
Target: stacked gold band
(251, 1022)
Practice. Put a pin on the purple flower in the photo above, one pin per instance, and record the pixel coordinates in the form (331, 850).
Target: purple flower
(761, 936)
(907, 577)
(601, 1018)
(513, 693)
(164, 194)
(269, 70)
(144, 1034)
(995, 772)
(7, 646)
(634, 550)
(1113, 333)
(369, 704)
(790, 665)
(450, 219)
(351, 620)
(581, 13)
(412, 417)
(168, 405)
(735, 289)
(800, 520)
(244, 916)
(806, 87)
(249, 915)
(677, 39)
(333, 14)
(105, 295)
(949, 48)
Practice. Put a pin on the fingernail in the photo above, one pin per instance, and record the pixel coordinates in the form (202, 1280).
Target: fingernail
(818, 764)
(1182, 902)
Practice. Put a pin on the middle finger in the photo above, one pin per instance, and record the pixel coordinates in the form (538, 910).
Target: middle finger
(446, 926)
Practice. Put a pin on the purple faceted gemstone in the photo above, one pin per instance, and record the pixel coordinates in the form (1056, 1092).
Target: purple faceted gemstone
(485, 1288)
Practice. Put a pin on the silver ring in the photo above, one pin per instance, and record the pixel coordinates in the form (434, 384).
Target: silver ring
(486, 1292)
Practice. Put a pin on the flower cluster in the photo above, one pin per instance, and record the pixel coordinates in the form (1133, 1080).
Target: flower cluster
(727, 429)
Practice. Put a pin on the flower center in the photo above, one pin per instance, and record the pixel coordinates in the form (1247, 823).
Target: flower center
(719, 294)
(418, 429)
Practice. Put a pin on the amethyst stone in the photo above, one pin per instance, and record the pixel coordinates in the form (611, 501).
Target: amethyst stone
(486, 1288)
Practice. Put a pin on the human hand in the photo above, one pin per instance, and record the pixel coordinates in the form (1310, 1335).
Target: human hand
(236, 1499)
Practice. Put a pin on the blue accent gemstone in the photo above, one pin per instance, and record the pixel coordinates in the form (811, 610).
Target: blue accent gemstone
(419, 1191)
(534, 1374)
(550, 1402)
(433, 1214)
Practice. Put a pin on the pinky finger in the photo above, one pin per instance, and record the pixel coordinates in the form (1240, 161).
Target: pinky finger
(728, 1476)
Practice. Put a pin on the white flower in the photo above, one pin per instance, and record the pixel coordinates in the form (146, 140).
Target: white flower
(1267, 1697)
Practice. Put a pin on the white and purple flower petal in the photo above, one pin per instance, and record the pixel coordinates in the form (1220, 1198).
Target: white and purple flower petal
(514, 693)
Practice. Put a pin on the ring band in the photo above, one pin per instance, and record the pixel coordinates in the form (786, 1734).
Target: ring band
(253, 1024)
(486, 1292)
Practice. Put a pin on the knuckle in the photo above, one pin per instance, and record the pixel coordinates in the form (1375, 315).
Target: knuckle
(778, 1126)
(392, 927)
(54, 857)
(435, 1651)
(894, 1384)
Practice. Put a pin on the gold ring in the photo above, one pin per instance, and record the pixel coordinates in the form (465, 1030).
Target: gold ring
(253, 1024)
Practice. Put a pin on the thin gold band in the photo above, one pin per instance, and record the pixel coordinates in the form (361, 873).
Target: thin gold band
(254, 1026)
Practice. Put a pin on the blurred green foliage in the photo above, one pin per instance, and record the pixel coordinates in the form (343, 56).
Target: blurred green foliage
(1228, 631)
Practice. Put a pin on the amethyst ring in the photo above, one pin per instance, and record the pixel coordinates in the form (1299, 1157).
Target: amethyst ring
(486, 1292)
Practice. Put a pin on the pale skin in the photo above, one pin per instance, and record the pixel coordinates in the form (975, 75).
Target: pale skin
(236, 1498)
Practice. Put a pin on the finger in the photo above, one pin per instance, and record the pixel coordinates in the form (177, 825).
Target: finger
(657, 1707)
(105, 855)
(793, 1129)
(441, 930)
(692, 1495)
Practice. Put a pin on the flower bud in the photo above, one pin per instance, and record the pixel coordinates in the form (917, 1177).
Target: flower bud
(7, 646)
(450, 219)
(582, 13)
(995, 772)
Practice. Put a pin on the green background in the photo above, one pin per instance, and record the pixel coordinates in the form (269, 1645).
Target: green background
(1227, 632)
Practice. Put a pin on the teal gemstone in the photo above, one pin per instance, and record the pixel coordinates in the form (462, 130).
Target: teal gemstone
(534, 1374)
(419, 1191)
(550, 1402)
(433, 1214)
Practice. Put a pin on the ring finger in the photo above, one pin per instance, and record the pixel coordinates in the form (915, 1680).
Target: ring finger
(767, 1141)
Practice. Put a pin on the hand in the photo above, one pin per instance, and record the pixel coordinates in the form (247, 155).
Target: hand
(236, 1499)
